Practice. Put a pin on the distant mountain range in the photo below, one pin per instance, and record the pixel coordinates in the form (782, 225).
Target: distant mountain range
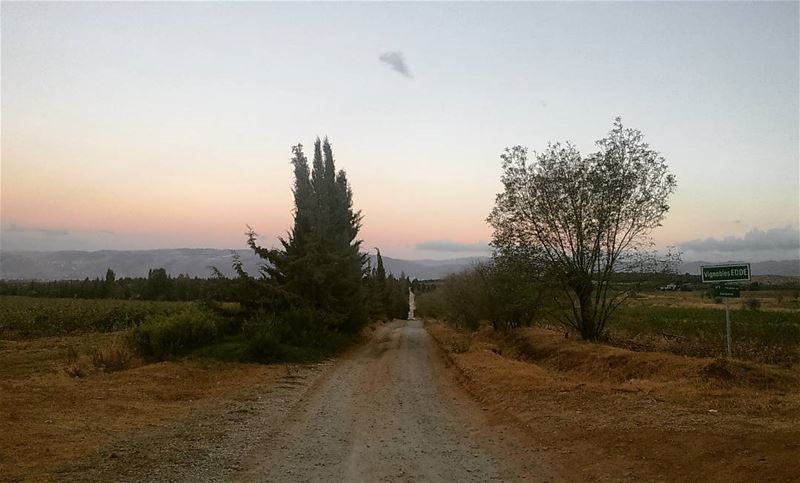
(196, 262)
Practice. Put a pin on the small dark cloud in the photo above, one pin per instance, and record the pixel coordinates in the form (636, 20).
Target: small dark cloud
(542, 103)
(396, 61)
(20, 237)
(774, 243)
(12, 227)
(452, 246)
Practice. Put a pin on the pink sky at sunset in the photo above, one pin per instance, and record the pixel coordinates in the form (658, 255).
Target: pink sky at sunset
(132, 126)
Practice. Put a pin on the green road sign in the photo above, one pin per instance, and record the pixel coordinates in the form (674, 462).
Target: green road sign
(726, 291)
(725, 273)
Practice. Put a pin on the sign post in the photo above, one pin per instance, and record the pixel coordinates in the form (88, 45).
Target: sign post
(719, 274)
(728, 326)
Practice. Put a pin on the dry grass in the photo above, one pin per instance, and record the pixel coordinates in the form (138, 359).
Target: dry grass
(112, 355)
(780, 300)
(51, 418)
(117, 355)
(608, 413)
(604, 363)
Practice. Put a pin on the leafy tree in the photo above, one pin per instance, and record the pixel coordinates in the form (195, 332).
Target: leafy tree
(515, 293)
(159, 285)
(397, 296)
(581, 218)
(503, 291)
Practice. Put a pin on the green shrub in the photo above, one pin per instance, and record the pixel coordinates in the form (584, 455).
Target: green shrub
(297, 334)
(431, 304)
(264, 344)
(163, 336)
(751, 303)
(504, 292)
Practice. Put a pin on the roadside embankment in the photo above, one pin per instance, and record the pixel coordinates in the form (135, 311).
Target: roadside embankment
(611, 413)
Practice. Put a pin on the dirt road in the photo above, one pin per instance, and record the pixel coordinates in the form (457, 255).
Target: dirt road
(387, 411)
(382, 415)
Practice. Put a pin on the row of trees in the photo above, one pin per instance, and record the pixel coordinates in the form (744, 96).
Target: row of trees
(387, 296)
(507, 294)
(565, 227)
(158, 285)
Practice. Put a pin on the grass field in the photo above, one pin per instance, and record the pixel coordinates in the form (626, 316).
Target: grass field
(687, 323)
(678, 322)
(28, 317)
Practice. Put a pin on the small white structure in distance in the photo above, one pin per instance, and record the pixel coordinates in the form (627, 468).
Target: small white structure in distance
(411, 305)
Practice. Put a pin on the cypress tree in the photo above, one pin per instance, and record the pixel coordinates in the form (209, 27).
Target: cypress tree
(381, 289)
(108, 289)
(330, 167)
(380, 271)
(318, 168)
(320, 265)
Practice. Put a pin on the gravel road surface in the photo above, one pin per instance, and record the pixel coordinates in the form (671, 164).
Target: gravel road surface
(386, 411)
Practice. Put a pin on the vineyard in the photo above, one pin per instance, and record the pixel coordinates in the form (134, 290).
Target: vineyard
(28, 317)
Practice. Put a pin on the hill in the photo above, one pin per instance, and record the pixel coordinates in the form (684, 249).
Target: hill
(195, 262)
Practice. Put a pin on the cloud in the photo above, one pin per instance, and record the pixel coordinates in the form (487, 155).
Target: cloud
(397, 62)
(19, 237)
(46, 232)
(756, 244)
(453, 246)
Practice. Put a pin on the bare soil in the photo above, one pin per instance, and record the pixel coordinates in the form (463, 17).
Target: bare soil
(606, 413)
(50, 421)
(402, 406)
(387, 410)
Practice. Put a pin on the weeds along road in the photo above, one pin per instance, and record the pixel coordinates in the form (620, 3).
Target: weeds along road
(388, 410)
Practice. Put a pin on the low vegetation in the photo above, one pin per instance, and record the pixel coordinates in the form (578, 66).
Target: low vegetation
(502, 292)
(164, 336)
(687, 323)
(26, 317)
(768, 336)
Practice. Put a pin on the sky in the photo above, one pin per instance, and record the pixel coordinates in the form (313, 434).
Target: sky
(170, 125)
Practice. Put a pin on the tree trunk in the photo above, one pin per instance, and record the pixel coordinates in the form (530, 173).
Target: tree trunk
(587, 324)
